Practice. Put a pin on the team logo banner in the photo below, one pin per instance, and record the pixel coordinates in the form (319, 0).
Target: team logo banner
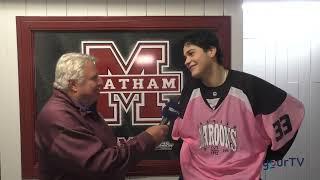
(135, 88)
(141, 71)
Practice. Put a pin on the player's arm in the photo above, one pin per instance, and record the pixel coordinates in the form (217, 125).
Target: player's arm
(281, 115)
(280, 153)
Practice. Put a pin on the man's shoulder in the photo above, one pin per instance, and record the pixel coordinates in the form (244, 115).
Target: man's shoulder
(57, 111)
(55, 105)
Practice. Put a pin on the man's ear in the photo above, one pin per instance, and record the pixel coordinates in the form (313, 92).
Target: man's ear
(73, 85)
(212, 51)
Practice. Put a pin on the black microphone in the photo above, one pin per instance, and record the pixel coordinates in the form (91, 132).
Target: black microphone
(170, 113)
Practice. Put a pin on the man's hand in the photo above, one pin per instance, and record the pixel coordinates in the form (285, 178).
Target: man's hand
(158, 132)
(170, 112)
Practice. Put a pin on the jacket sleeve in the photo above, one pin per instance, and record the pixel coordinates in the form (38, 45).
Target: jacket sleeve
(75, 148)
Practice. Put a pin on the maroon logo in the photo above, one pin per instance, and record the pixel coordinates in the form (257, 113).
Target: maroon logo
(136, 87)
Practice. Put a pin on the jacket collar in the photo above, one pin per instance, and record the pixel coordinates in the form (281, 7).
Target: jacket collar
(84, 110)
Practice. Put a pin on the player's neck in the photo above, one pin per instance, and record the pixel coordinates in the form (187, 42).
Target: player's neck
(215, 77)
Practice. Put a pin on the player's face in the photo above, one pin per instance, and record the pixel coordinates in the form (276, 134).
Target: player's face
(89, 88)
(198, 61)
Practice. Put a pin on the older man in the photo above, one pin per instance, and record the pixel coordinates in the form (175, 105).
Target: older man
(73, 140)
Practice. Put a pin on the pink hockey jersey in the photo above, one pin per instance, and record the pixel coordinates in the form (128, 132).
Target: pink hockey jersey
(230, 142)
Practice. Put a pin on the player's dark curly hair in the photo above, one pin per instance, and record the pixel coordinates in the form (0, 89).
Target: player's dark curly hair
(205, 39)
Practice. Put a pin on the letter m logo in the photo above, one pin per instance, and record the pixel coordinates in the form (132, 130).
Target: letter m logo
(135, 88)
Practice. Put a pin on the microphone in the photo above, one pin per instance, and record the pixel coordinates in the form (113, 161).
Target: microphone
(170, 112)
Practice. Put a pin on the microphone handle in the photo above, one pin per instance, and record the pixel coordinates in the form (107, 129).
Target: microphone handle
(164, 121)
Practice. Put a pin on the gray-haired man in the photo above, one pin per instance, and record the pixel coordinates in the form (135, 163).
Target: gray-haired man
(73, 140)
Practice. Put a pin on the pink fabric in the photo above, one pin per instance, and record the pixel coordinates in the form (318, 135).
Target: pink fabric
(296, 115)
(205, 155)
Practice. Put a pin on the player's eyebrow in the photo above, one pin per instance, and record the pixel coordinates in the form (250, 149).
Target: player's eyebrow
(188, 52)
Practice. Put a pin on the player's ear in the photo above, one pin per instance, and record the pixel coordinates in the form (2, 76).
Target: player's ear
(212, 51)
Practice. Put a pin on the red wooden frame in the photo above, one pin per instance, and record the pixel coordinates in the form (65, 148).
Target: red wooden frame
(26, 26)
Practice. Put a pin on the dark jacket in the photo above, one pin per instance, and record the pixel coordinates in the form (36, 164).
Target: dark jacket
(76, 144)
